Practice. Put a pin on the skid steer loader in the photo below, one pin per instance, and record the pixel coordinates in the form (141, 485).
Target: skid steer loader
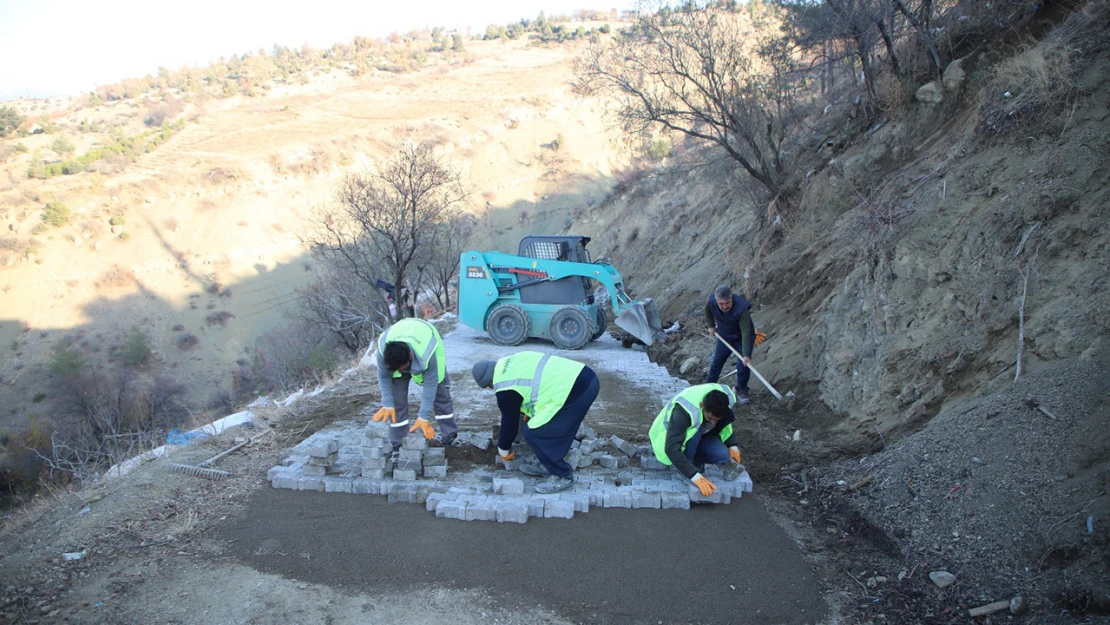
(548, 291)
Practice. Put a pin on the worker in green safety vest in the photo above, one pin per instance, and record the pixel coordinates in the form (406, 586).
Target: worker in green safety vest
(412, 349)
(551, 395)
(695, 429)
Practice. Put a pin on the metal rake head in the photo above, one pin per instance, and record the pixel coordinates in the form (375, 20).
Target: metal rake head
(210, 474)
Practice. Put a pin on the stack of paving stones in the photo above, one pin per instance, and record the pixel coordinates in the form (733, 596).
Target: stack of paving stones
(611, 473)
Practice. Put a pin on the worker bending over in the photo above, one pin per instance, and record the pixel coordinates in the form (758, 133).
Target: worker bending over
(412, 349)
(551, 395)
(695, 429)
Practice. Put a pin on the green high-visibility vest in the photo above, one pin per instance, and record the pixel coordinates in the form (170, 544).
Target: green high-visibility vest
(690, 400)
(424, 340)
(543, 380)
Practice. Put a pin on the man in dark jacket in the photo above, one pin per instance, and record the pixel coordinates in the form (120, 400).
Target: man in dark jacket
(728, 316)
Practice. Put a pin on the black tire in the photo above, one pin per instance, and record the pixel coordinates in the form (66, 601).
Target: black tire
(571, 327)
(601, 322)
(508, 324)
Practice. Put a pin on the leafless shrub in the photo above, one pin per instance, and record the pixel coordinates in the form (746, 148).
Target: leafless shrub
(282, 359)
(115, 277)
(171, 224)
(187, 342)
(158, 115)
(219, 318)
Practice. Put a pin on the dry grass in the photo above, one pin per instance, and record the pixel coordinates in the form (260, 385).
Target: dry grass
(1026, 85)
(116, 277)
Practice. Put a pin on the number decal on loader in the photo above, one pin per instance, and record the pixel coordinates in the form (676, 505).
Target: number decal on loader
(476, 272)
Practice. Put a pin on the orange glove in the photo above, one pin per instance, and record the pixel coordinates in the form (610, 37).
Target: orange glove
(734, 453)
(704, 485)
(759, 337)
(386, 414)
(424, 427)
(505, 456)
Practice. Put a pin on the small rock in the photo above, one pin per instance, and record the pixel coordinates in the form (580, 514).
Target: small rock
(797, 436)
(953, 75)
(688, 364)
(1017, 605)
(930, 93)
(943, 579)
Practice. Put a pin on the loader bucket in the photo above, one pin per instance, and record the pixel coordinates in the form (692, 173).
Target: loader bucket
(641, 320)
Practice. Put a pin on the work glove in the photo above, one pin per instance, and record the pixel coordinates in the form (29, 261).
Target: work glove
(734, 453)
(759, 337)
(504, 456)
(704, 485)
(386, 414)
(424, 427)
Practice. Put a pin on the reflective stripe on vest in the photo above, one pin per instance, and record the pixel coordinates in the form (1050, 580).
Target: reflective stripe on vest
(418, 335)
(543, 381)
(689, 400)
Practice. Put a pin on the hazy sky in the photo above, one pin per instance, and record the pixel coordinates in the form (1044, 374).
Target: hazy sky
(64, 47)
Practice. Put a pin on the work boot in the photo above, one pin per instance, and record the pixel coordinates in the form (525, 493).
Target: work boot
(554, 484)
(742, 397)
(535, 470)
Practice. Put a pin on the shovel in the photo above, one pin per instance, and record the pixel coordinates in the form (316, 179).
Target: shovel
(756, 373)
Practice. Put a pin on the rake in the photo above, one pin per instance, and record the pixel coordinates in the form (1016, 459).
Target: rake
(202, 469)
(751, 368)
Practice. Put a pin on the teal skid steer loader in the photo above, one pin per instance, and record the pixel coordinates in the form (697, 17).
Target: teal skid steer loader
(549, 290)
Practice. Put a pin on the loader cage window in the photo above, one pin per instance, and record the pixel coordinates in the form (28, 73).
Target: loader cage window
(550, 250)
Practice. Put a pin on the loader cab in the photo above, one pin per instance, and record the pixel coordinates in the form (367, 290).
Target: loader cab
(568, 248)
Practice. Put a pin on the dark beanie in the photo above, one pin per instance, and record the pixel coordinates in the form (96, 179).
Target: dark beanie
(483, 372)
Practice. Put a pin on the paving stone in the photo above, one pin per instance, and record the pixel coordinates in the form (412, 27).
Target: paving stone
(613, 462)
(481, 510)
(580, 500)
(617, 498)
(512, 511)
(697, 497)
(376, 431)
(365, 486)
(645, 500)
(284, 480)
(535, 506)
(335, 484)
(313, 470)
(438, 471)
(373, 474)
(651, 463)
(674, 501)
(403, 494)
(435, 456)
(624, 446)
(585, 431)
(404, 475)
(414, 441)
(386, 486)
(573, 457)
(275, 471)
(433, 500)
(596, 497)
(325, 461)
(373, 463)
(584, 460)
(588, 446)
(558, 509)
(310, 482)
(322, 448)
(407, 465)
(410, 454)
(508, 486)
(451, 509)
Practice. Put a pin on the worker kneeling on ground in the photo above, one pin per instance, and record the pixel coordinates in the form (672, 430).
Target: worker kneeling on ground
(412, 349)
(551, 395)
(695, 429)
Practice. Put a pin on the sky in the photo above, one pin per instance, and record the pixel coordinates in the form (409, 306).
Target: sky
(51, 48)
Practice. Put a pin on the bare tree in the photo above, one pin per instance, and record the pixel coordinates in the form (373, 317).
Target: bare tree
(338, 301)
(452, 238)
(383, 218)
(702, 72)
